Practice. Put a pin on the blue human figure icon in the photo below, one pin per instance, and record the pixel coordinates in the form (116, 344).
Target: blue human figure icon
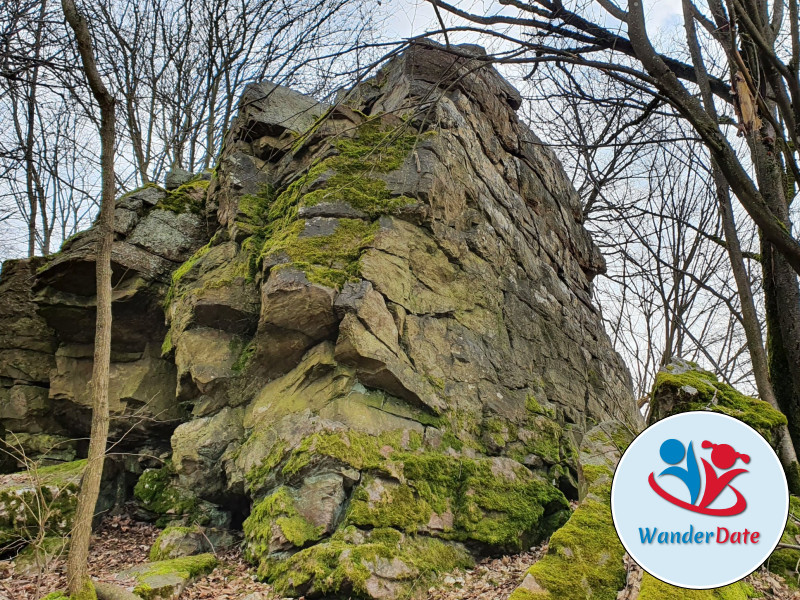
(672, 452)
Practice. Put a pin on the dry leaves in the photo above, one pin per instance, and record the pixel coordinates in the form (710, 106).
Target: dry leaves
(120, 543)
(491, 579)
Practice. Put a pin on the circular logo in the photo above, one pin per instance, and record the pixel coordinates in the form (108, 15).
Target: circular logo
(699, 500)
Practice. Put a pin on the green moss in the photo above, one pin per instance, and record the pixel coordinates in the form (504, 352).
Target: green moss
(533, 406)
(181, 272)
(329, 260)
(166, 346)
(654, 589)
(576, 560)
(716, 396)
(277, 510)
(256, 476)
(190, 197)
(784, 561)
(56, 596)
(244, 357)
(87, 592)
(338, 568)
(371, 196)
(186, 567)
(358, 450)
(332, 260)
(23, 505)
(161, 550)
(157, 493)
(399, 507)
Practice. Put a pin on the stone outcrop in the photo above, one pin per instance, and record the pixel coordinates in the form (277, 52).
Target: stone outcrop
(369, 339)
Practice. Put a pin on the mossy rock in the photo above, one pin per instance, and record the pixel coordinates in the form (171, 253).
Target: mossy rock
(784, 561)
(167, 578)
(54, 488)
(654, 589)
(178, 541)
(584, 557)
(158, 493)
(37, 557)
(407, 491)
(190, 197)
(365, 564)
(682, 386)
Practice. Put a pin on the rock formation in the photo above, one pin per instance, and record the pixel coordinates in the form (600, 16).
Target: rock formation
(368, 339)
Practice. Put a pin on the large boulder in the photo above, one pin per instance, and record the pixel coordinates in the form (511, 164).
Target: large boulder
(369, 339)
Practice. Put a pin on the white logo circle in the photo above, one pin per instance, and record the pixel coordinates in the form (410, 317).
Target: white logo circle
(699, 500)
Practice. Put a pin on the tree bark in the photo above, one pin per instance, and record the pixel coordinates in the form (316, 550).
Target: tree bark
(79, 583)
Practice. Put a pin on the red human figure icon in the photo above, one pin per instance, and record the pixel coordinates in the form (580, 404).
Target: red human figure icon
(724, 457)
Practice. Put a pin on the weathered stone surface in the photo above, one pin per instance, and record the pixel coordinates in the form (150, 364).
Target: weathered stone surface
(176, 177)
(166, 579)
(175, 542)
(48, 321)
(386, 354)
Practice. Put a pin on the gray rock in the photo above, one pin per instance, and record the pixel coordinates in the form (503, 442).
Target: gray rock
(176, 177)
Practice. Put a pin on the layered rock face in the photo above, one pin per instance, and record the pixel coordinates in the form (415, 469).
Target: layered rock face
(380, 346)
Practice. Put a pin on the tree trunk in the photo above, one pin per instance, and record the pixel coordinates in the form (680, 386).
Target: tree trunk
(78, 580)
(781, 294)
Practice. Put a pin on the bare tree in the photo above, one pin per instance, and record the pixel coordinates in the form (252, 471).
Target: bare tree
(79, 583)
(754, 43)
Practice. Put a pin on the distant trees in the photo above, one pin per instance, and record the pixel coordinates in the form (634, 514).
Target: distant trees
(178, 68)
(736, 72)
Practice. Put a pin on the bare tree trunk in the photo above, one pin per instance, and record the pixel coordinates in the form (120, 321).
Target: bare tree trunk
(31, 177)
(79, 582)
(750, 322)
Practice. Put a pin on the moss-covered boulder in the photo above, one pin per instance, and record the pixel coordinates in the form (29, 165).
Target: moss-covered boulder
(176, 542)
(585, 558)
(785, 561)
(682, 386)
(41, 500)
(39, 555)
(166, 579)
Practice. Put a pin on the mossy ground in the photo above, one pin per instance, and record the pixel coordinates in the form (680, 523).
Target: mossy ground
(654, 589)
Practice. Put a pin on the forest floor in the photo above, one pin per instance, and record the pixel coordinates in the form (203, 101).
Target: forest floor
(121, 543)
